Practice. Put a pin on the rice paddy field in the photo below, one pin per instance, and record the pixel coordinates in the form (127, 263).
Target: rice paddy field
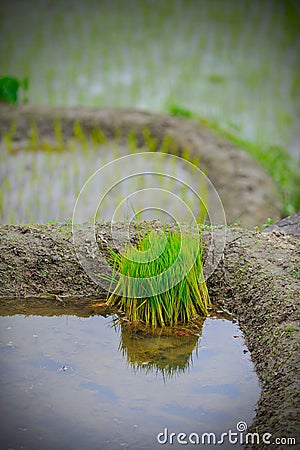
(41, 186)
(232, 64)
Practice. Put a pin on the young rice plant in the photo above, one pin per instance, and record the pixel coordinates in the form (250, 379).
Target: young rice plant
(152, 266)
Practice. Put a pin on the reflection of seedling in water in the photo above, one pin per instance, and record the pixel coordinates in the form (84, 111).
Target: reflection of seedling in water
(163, 352)
(162, 306)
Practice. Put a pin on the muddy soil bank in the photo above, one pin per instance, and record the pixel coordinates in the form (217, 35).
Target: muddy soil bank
(257, 280)
(248, 194)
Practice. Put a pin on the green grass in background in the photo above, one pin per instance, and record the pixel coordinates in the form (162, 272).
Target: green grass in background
(234, 63)
(277, 162)
(274, 159)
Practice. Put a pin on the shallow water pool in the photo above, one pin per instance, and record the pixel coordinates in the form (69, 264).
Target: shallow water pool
(39, 186)
(81, 383)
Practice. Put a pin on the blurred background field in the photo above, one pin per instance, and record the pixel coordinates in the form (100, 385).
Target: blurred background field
(232, 64)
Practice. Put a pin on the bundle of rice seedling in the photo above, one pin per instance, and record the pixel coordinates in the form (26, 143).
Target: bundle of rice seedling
(160, 282)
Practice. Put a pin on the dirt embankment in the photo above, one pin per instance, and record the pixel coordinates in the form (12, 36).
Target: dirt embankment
(257, 280)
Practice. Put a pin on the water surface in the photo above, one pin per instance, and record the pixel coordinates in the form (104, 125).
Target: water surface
(39, 186)
(78, 383)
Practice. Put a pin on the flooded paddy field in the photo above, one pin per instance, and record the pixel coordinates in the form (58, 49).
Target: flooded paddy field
(39, 186)
(72, 382)
(214, 59)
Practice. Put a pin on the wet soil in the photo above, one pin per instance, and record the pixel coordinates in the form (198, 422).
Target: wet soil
(257, 280)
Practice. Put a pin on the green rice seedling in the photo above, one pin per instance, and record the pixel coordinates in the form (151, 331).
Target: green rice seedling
(79, 135)
(152, 267)
(34, 138)
(8, 137)
(195, 160)
(98, 137)
(132, 141)
(174, 148)
(185, 154)
(150, 141)
(59, 141)
(47, 146)
(117, 136)
(136, 211)
(166, 144)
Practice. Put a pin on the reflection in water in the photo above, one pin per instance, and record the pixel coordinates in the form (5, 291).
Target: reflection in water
(164, 352)
(65, 385)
